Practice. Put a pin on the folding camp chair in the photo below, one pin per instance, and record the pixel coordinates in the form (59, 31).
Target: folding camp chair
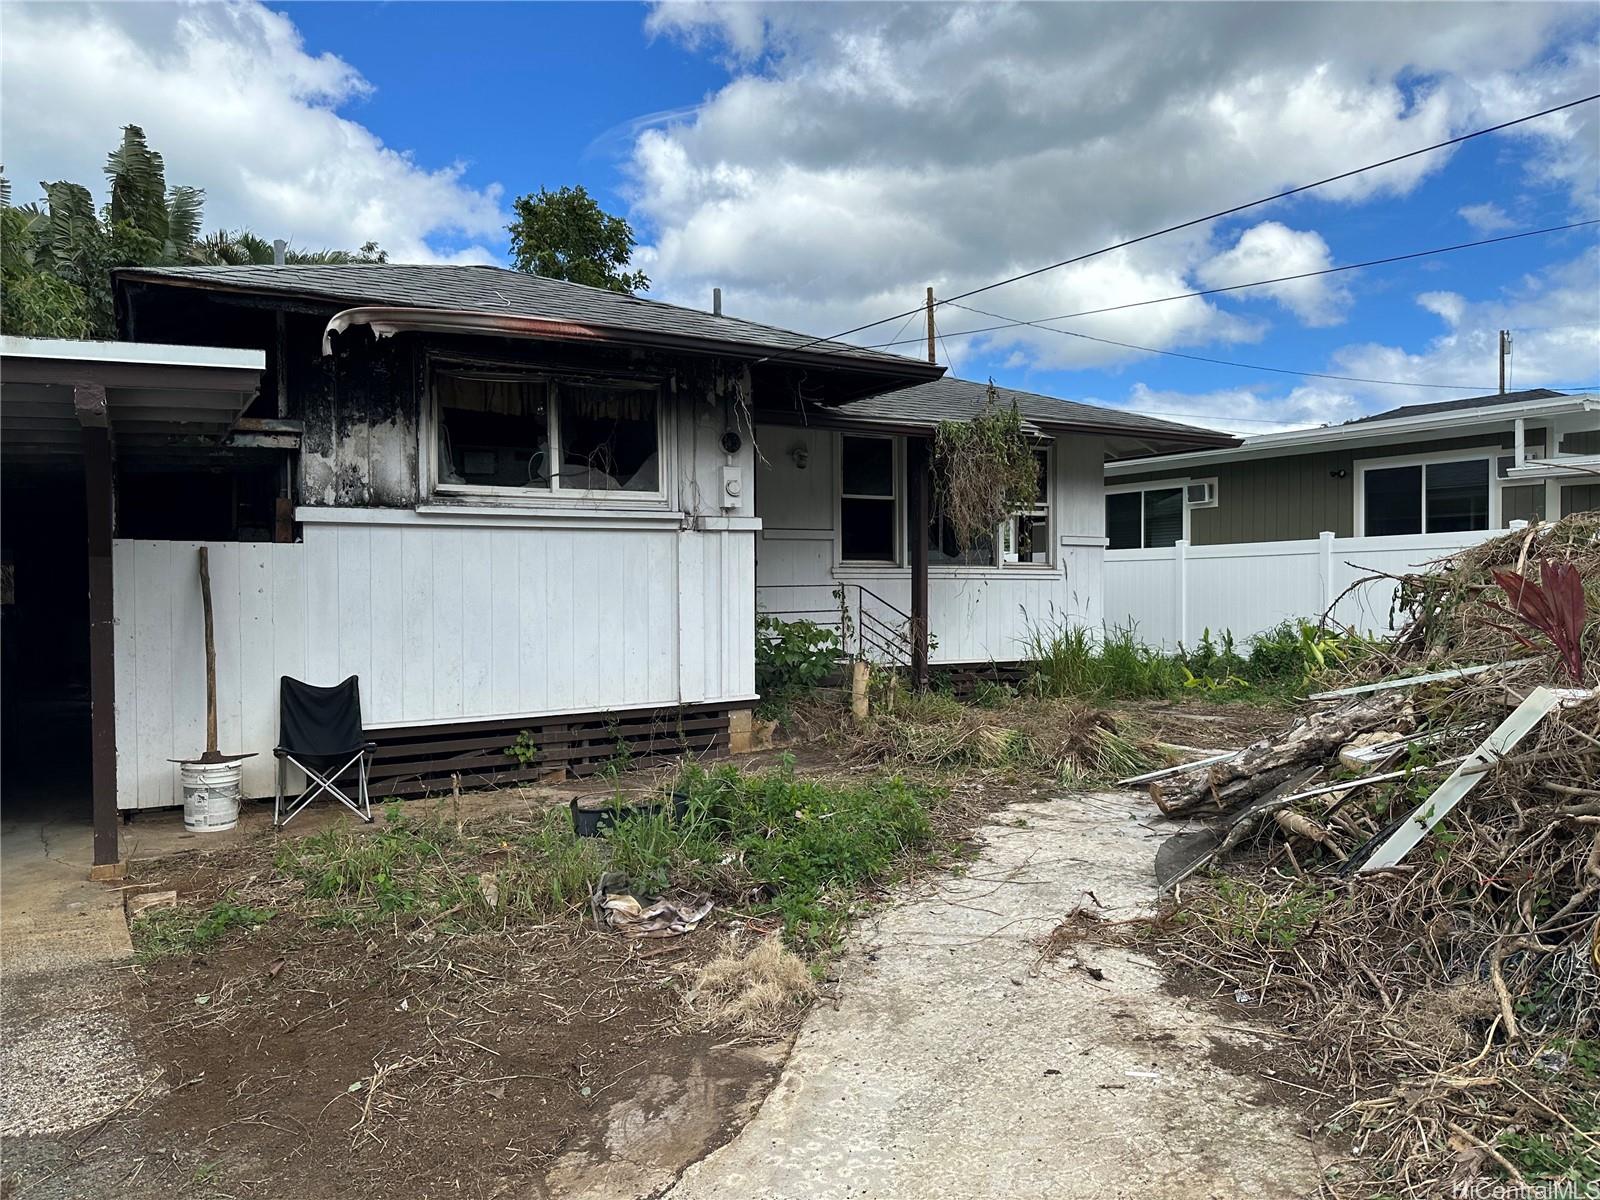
(319, 731)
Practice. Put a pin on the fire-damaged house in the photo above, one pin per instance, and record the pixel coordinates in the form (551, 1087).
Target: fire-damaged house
(530, 516)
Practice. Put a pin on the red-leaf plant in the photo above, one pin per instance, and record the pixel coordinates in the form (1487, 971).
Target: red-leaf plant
(1554, 605)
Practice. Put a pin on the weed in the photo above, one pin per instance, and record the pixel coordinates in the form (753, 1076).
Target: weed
(792, 657)
(525, 749)
(170, 931)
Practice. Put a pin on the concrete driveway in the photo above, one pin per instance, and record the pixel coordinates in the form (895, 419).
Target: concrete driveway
(956, 1065)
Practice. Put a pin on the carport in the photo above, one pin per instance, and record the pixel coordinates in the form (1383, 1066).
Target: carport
(89, 432)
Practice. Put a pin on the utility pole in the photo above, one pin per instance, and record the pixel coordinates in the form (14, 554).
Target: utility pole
(1505, 354)
(932, 357)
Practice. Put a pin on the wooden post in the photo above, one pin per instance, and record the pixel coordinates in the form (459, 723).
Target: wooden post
(89, 402)
(212, 754)
(918, 469)
(860, 689)
(931, 356)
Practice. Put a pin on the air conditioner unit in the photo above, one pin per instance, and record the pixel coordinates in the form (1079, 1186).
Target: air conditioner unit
(1201, 494)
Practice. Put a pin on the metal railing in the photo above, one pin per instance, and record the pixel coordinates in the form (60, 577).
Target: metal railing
(868, 626)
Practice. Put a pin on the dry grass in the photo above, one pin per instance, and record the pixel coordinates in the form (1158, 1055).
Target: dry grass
(759, 991)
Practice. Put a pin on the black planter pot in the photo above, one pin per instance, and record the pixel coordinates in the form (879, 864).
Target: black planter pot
(592, 822)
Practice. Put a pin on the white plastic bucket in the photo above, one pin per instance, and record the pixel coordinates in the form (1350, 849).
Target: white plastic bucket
(210, 796)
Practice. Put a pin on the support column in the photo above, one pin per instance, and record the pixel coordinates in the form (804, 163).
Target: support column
(89, 402)
(917, 469)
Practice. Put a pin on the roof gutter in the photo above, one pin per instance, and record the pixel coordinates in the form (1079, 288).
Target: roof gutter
(1295, 441)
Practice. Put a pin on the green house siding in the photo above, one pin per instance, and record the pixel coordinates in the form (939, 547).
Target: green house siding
(1295, 496)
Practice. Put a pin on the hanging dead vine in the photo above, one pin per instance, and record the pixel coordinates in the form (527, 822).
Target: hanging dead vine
(984, 470)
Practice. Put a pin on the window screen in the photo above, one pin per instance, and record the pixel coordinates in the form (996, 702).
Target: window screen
(1123, 521)
(867, 500)
(1522, 502)
(1392, 501)
(1458, 495)
(1163, 517)
(494, 431)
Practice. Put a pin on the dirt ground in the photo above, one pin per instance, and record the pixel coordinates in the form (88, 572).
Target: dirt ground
(299, 1060)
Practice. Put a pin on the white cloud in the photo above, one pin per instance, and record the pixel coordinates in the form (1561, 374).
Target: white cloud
(1487, 218)
(236, 104)
(1271, 250)
(864, 152)
(1244, 410)
(1554, 319)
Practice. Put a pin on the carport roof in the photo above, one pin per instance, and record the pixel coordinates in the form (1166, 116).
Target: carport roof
(160, 401)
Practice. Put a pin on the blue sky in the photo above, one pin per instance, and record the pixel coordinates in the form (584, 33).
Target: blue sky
(824, 163)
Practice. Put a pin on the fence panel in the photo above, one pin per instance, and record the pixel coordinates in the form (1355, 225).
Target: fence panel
(1173, 595)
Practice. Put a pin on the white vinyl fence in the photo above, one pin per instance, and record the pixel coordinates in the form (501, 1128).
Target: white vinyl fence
(1171, 596)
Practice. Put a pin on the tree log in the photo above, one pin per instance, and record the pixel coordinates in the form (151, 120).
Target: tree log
(1266, 763)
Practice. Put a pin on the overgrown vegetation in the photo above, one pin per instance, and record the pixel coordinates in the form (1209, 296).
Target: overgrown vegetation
(1070, 661)
(984, 470)
(770, 844)
(792, 658)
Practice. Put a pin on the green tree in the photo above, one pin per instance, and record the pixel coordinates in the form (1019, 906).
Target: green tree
(58, 256)
(566, 235)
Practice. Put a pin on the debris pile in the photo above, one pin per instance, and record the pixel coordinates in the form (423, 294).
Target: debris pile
(1409, 876)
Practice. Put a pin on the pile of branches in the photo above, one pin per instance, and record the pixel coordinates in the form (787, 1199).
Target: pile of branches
(1446, 1008)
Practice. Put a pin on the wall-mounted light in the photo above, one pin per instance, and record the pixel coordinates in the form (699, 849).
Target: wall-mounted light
(801, 453)
(1337, 473)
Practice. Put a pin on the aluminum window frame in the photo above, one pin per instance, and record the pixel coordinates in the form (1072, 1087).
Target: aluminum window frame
(1181, 485)
(1492, 454)
(432, 490)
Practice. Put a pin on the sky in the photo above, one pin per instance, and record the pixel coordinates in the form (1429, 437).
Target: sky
(824, 163)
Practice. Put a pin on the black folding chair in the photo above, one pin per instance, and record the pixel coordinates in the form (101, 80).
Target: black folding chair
(319, 731)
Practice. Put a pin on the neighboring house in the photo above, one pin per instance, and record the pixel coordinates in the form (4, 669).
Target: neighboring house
(1291, 526)
(837, 496)
(1451, 467)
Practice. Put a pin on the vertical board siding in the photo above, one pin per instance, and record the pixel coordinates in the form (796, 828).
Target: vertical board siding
(1247, 588)
(440, 622)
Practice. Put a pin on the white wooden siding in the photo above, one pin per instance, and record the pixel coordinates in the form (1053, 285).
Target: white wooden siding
(974, 614)
(442, 622)
(1171, 596)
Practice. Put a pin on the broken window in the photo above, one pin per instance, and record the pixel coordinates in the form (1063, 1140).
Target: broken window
(1026, 536)
(513, 430)
(867, 499)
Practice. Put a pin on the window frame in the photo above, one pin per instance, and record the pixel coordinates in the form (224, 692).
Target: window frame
(1181, 485)
(897, 472)
(1046, 505)
(1468, 454)
(431, 489)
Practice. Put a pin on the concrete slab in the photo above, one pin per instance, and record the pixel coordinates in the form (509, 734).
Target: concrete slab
(957, 1067)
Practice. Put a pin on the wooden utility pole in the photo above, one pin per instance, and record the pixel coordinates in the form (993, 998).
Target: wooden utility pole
(933, 358)
(1505, 354)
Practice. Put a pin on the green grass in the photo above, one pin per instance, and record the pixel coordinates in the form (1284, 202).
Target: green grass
(1281, 663)
(166, 932)
(771, 843)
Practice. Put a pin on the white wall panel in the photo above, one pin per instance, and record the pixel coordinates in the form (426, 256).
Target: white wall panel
(440, 621)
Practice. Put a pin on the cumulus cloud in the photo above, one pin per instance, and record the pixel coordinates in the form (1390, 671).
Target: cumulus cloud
(1554, 319)
(862, 153)
(236, 104)
(1487, 218)
(1270, 250)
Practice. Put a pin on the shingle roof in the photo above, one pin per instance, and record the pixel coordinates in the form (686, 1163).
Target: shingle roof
(517, 293)
(947, 399)
(1493, 401)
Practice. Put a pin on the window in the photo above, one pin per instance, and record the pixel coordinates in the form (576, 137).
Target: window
(523, 431)
(1146, 518)
(867, 499)
(1025, 538)
(1434, 497)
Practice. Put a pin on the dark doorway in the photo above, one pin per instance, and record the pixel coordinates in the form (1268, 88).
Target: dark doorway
(44, 644)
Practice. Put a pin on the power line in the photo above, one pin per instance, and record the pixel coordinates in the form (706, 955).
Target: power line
(1223, 362)
(1236, 287)
(1226, 212)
